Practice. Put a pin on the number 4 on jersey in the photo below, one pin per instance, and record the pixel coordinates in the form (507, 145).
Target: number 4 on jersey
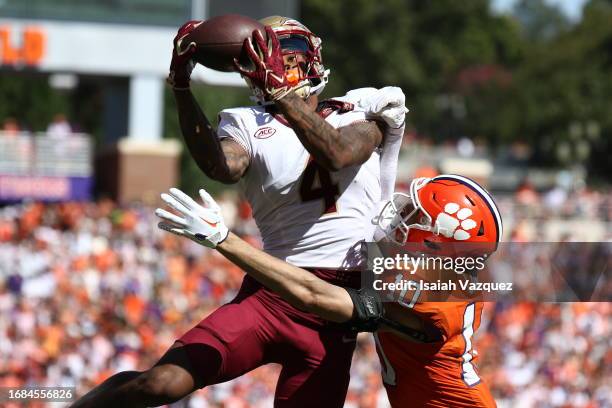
(317, 184)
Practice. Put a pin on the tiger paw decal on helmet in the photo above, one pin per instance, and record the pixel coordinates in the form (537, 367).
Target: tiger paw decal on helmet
(455, 222)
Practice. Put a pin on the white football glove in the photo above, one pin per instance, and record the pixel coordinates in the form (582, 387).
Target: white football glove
(202, 224)
(388, 104)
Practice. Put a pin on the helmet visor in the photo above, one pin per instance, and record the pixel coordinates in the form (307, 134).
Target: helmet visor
(294, 44)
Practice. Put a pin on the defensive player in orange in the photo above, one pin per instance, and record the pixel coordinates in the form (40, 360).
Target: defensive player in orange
(425, 348)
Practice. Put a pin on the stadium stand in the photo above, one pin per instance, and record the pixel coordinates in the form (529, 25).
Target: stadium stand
(93, 288)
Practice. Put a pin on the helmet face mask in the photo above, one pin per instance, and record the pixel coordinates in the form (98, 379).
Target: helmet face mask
(400, 215)
(297, 67)
(296, 39)
(389, 220)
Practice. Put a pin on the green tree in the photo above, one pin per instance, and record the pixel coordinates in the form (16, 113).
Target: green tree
(540, 21)
(533, 76)
(566, 87)
(29, 99)
(420, 46)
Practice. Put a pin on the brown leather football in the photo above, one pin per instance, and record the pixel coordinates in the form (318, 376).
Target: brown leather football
(219, 40)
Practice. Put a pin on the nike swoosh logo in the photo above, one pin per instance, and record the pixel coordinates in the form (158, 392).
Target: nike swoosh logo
(212, 224)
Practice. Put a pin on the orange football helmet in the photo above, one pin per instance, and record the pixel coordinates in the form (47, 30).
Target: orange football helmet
(444, 209)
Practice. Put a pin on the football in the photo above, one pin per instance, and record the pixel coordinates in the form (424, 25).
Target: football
(219, 40)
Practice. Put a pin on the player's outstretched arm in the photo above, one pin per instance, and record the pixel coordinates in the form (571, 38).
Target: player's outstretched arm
(204, 225)
(297, 286)
(332, 148)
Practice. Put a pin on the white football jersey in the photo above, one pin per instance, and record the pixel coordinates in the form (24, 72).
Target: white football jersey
(307, 216)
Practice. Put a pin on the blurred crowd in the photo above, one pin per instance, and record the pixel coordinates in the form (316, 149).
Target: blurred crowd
(537, 216)
(582, 203)
(542, 204)
(547, 355)
(90, 289)
(59, 127)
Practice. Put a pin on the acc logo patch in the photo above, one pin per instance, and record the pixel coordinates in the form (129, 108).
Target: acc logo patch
(265, 132)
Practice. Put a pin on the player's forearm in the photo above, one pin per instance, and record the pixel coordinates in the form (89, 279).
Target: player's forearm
(330, 147)
(200, 137)
(296, 285)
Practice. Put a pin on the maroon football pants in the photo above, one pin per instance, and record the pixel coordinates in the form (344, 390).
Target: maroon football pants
(258, 328)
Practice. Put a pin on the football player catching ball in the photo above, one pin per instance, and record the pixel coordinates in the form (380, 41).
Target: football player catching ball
(314, 173)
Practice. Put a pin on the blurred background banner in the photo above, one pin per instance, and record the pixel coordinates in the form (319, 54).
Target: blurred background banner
(512, 93)
(105, 63)
(45, 168)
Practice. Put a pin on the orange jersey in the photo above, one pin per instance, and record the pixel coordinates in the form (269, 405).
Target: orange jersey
(438, 374)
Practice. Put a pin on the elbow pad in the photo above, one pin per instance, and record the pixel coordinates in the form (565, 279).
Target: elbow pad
(367, 310)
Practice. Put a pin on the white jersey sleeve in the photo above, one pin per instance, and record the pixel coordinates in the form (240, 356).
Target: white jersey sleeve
(231, 125)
